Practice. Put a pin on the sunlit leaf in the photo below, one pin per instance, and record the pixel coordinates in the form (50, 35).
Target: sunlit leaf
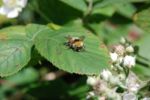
(94, 58)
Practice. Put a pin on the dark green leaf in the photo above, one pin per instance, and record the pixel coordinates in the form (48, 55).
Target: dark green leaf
(25, 76)
(55, 11)
(77, 4)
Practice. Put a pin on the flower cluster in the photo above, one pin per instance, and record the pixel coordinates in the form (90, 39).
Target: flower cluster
(118, 82)
(11, 8)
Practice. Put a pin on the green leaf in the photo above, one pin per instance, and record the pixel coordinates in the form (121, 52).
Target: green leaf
(144, 47)
(14, 50)
(142, 19)
(112, 2)
(50, 44)
(142, 71)
(55, 11)
(126, 9)
(108, 10)
(22, 78)
(77, 4)
(32, 30)
(25, 76)
(43, 90)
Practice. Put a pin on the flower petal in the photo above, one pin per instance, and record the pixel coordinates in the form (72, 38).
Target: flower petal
(4, 10)
(12, 14)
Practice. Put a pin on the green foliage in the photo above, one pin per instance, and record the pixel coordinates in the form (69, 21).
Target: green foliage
(50, 44)
(31, 52)
(24, 77)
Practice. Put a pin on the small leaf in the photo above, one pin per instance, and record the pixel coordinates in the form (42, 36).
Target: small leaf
(50, 44)
(14, 50)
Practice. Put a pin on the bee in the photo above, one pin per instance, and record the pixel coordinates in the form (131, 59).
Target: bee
(75, 43)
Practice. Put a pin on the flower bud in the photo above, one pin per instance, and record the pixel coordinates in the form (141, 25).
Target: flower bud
(122, 40)
(119, 49)
(106, 74)
(114, 57)
(130, 49)
(92, 81)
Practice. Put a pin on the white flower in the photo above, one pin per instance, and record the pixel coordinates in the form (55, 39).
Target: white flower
(132, 83)
(114, 56)
(11, 8)
(129, 61)
(92, 81)
(134, 87)
(112, 95)
(106, 74)
(130, 49)
(129, 96)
